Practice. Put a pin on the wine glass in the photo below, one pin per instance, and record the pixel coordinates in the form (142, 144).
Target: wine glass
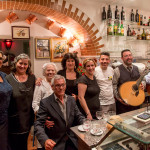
(99, 115)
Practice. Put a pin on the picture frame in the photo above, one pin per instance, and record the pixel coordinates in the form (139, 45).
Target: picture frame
(58, 48)
(20, 32)
(42, 48)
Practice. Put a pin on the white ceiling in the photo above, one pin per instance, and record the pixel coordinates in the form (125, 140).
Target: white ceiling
(135, 4)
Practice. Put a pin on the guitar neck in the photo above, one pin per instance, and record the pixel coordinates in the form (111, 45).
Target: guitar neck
(140, 80)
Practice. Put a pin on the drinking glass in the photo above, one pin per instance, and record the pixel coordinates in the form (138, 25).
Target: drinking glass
(86, 126)
(99, 115)
(112, 113)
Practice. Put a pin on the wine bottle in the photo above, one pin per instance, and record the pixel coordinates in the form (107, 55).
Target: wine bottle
(137, 16)
(109, 13)
(132, 15)
(122, 14)
(129, 31)
(139, 37)
(115, 27)
(116, 13)
(122, 28)
(110, 28)
(104, 14)
(141, 20)
(145, 23)
(143, 35)
(149, 21)
(118, 29)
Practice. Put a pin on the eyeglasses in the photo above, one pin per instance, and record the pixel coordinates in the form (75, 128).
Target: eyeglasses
(60, 85)
(130, 55)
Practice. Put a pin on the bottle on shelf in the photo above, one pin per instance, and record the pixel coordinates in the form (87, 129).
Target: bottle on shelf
(147, 35)
(129, 31)
(137, 16)
(104, 14)
(118, 29)
(141, 20)
(145, 23)
(122, 28)
(143, 35)
(133, 33)
(109, 13)
(149, 21)
(122, 14)
(115, 27)
(132, 15)
(139, 37)
(116, 13)
(110, 27)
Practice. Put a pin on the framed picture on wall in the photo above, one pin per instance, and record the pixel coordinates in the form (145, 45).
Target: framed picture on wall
(19, 32)
(58, 48)
(42, 49)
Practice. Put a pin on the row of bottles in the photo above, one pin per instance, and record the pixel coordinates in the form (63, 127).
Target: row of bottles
(109, 13)
(139, 18)
(141, 35)
(115, 28)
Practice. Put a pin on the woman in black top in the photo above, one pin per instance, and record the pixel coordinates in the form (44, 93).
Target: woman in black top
(88, 90)
(69, 64)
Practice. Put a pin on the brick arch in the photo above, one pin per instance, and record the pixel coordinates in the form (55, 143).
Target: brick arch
(64, 13)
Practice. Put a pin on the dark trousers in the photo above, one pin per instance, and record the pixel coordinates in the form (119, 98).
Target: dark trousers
(70, 145)
(18, 141)
(121, 108)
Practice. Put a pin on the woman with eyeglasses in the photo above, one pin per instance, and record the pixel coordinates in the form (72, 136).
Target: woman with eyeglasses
(88, 90)
(5, 94)
(20, 113)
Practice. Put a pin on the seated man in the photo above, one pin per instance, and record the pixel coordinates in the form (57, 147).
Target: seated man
(61, 109)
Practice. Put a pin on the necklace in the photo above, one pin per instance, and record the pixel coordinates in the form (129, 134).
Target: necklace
(21, 78)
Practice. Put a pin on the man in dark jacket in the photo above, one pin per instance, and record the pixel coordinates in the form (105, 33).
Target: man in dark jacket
(61, 109)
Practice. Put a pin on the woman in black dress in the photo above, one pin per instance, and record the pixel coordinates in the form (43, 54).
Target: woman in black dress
(88, 90)
(20, 113)
(69, 64)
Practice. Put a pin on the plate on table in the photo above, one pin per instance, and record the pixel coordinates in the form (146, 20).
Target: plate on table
(96, 133)
(80, 128)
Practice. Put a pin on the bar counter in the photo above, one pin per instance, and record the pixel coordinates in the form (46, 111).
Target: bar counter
(115, 133)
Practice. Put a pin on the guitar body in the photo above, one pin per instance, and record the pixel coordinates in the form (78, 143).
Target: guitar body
(129, 95)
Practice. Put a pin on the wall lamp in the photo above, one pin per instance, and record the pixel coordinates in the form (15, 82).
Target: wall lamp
(62, 31)
(8, 43)
(50, 24)
(31, 18)
(11, 17)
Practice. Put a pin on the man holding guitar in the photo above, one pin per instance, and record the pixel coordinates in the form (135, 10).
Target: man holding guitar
(127, 92)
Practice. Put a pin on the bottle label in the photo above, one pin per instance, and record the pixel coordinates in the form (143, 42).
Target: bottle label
(122, 31)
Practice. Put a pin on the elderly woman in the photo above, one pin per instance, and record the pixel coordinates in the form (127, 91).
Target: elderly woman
(5, 94)
(69, 64)
(88, 90)
(20, 113)
(44, 90)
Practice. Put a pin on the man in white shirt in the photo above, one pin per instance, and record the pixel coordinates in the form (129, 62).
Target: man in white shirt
(104, 75)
